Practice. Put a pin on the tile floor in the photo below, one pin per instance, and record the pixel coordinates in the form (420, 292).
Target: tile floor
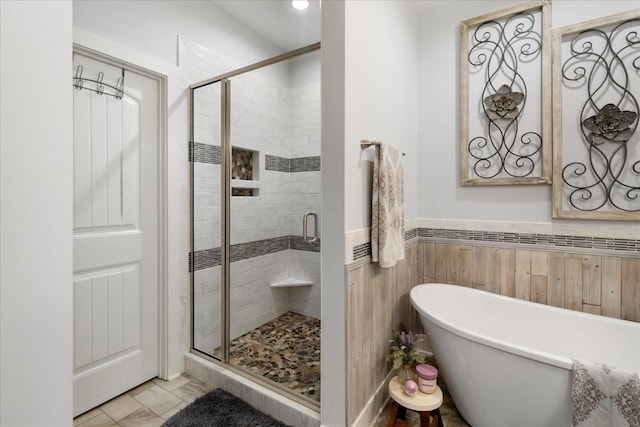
(155, 401)
(148, 405)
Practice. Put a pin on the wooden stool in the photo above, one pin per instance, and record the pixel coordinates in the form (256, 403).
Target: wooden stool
(427, 405)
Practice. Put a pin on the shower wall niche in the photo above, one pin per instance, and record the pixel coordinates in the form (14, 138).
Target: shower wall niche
(274, 134)
(245, 172)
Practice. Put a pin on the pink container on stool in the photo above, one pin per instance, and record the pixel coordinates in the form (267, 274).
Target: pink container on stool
(427, 378)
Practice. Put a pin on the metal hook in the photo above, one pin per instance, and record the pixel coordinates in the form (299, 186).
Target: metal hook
(99, 85)
(116, 91)
(119, 87)
(78, 77)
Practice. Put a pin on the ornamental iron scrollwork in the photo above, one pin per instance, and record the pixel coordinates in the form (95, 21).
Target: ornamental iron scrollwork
(604, 64)
(499, 48)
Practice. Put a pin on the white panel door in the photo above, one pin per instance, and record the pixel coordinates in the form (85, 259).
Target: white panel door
(115, 236)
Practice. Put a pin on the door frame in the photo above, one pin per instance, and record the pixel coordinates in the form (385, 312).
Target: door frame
(163, 209)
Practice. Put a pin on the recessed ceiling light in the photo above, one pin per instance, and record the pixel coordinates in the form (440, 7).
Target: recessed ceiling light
(300, 4)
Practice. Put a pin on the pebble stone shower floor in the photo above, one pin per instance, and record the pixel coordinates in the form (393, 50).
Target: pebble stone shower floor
(285, 350)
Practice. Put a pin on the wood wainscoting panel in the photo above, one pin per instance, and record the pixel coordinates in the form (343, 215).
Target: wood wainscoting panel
(378, 302)
(555, 280)
(591, 280)
(493, 270)
(539, 263)
(597, 284)
(440, 263)
(426, 262)
(523, 275)
(507, 280)
(539, 288)
(611, 287)
(630, 286)
(539, 276)
(453, 264)
(592, 309)
(379, 298)
(480, 261)
(466, 267)
(573, 283)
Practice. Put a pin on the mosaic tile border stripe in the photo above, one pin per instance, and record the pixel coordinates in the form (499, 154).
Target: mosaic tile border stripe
(364, 250)
(296, 164)
(208, 258)
(627, 245)
(361, 251)
(410, 234)
(299, 244)
(206, 153)
(275, 163)
(546, 240)
(304, 164)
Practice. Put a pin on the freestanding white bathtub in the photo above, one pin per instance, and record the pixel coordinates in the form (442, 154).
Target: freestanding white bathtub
(507, 362)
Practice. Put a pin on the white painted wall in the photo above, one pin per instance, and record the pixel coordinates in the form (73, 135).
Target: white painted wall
(333, 347)
(381, 98)
(152, 27)
(145, 33)
(440, 194)
(36, 197)
(369, 80)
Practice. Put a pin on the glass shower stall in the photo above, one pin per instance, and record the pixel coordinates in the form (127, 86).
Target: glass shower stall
(255, 221)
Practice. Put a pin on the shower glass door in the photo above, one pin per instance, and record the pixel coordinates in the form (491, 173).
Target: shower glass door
(256, 188)
(206, 220)
(275, 181)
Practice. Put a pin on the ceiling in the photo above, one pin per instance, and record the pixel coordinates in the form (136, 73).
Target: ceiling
(277, 21)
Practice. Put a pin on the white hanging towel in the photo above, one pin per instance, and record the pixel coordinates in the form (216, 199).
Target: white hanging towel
(602, 395)
(387, 207)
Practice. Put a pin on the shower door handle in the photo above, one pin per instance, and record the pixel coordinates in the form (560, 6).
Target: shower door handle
(305, 218)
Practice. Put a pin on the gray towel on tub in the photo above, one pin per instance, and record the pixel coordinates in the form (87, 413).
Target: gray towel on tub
(604, 396)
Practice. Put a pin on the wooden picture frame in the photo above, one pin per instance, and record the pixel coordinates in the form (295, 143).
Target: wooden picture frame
(505, 62)
(596, 82)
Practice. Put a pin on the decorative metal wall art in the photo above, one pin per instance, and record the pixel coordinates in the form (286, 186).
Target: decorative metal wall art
(596, 81)
(506, 97)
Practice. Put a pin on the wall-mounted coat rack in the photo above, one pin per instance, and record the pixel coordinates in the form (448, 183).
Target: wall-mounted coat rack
(101, 88)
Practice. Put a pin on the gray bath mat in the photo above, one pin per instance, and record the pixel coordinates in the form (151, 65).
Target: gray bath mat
(221, 409)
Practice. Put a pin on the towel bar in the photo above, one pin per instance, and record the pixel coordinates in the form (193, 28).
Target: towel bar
(365, 143)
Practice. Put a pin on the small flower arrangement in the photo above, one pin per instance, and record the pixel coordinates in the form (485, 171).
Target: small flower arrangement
(402, 352)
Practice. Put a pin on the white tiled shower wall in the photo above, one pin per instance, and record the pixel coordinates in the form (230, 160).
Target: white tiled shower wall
(304, 138)
(253, 302)
(206, 309)
(275, 111)
(304, 187)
